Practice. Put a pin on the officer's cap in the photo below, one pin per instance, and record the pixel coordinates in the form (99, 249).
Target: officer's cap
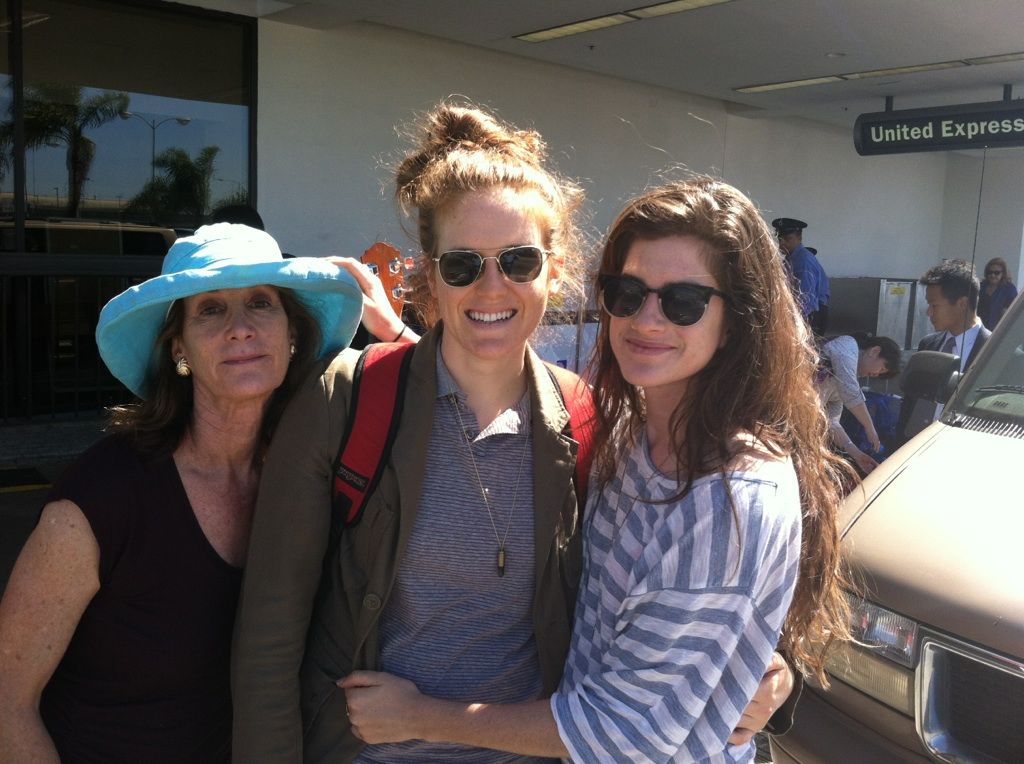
(785, 226)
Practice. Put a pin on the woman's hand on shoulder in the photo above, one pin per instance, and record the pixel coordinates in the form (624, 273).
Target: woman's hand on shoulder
(379, 318)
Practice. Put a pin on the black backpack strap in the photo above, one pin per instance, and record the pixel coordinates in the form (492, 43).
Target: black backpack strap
(375, 410)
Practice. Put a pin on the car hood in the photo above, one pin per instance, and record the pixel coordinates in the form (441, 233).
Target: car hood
(937, 533)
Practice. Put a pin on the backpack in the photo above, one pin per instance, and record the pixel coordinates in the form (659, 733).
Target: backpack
(375, 411)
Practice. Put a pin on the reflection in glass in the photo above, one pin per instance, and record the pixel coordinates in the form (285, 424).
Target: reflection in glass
(136, 125)
(61, 116)
(123, 125)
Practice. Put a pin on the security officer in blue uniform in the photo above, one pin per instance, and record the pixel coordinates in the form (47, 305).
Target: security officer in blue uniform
(808, 277)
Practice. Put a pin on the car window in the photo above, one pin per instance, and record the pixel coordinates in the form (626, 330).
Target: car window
(995, 391)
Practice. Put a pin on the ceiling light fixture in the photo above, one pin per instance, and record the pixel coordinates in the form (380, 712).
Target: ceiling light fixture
(676, 6)
(902, 70)
(766, 88)
(1003, 59)
(614, 19)
(578, 27)
(891, 72)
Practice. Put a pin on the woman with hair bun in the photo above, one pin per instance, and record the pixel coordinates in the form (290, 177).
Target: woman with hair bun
(711, 535)
(462, 573)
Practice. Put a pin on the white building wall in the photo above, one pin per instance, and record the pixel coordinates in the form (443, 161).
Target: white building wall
(960, 206)
(329, 102)
(1000, 218)
(867, 216)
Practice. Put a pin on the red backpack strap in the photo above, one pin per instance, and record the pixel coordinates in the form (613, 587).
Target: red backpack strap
(582, 420)
(375, 410)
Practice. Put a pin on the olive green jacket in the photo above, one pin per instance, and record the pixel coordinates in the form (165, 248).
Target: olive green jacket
(305, 621)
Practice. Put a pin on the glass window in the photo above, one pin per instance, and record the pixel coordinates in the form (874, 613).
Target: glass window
(135, 125)
(143, 116)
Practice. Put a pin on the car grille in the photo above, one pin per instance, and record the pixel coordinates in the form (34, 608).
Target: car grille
(971, 704)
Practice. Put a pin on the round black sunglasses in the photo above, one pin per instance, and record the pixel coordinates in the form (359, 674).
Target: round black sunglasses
(683, 303)
(461, 267)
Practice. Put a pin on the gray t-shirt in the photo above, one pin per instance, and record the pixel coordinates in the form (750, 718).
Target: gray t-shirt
(452, 625)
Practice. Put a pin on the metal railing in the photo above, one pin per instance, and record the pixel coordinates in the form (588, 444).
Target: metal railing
(49, 364)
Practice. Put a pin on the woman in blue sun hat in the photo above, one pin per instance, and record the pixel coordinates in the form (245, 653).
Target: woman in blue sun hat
(116, 624)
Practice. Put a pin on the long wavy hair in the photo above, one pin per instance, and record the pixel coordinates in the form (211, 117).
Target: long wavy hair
(1006, 278)
(759, 383)
(158, 423)
(458, 149)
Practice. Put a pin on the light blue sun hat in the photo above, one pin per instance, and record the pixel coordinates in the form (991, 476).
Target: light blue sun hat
(221, 256)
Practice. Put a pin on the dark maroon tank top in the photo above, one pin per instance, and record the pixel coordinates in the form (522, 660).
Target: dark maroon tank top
(146, 675)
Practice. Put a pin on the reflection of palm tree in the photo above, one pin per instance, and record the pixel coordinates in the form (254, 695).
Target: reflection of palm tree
(59, 112)
(189, 180)
(183, 188)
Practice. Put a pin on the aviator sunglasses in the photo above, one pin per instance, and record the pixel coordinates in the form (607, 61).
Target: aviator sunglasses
(461, 267)
(683, 304)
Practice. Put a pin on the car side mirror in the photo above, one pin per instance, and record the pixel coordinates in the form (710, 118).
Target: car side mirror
(930, 374)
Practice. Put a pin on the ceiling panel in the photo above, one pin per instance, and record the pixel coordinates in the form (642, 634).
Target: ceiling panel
(712, 51)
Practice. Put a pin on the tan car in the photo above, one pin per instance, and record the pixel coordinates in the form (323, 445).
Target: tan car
(936, 534)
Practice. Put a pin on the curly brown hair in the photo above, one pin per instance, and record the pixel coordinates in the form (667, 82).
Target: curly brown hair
(759, 383)
(461, 148)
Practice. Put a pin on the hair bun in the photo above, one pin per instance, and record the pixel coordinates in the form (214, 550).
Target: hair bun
(453, 128)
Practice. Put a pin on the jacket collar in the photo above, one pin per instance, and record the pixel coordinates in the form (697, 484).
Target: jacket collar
(554, 452)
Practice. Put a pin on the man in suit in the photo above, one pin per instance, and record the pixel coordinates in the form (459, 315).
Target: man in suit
(951, 291)
(806, 273)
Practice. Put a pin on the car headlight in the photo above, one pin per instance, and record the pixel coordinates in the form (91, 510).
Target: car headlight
(879, 662)
(883, 632)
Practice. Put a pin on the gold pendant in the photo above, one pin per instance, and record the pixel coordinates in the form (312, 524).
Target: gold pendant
(501, 560)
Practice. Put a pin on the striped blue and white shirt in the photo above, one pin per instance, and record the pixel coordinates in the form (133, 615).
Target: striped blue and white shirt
(680, 608)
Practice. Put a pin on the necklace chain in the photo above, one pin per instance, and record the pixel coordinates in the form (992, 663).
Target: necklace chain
(483, 491)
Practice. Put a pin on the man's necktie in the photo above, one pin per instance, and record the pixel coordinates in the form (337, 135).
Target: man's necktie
(949, 346)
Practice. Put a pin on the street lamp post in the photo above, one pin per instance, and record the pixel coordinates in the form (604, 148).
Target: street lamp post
(153, 125)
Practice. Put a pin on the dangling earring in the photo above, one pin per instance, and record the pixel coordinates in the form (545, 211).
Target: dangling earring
(182, 368)
(291, 351)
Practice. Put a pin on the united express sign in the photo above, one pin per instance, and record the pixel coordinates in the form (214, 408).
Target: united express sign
(943, 128)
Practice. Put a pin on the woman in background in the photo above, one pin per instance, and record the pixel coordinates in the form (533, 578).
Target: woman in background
(997, 293)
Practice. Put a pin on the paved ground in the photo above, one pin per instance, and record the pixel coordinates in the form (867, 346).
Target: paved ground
(33, 443)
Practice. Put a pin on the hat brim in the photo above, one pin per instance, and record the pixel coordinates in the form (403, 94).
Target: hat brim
(129, 324)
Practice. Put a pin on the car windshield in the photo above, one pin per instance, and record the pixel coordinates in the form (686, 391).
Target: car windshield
(994, 390)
